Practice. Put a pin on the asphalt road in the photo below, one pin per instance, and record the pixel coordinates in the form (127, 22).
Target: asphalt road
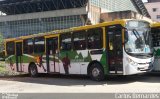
(80, 84)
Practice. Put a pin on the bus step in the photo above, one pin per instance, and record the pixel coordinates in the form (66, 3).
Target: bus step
(114, 74)
(53, 73)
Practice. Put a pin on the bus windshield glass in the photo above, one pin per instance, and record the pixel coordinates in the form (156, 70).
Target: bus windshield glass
(138, 38)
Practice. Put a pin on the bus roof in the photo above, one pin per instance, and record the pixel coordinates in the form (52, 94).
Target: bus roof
(157, 24)
(119, 21)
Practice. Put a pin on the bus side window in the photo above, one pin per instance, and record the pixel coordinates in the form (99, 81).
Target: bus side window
(39, 45)
(28, 46)
(66, 43)
(95, 38)
(156, 37)
(79, 40)
(10, 48)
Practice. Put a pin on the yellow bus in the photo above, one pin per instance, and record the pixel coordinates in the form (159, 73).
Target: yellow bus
(120, 47)
(155, 29)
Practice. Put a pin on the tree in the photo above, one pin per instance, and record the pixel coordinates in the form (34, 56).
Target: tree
(1, 42)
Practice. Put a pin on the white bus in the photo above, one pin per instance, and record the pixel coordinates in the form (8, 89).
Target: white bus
(120, 47)
(156, 44)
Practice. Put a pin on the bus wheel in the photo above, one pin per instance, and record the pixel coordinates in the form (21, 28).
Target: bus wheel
(96, 72)
(33, 70)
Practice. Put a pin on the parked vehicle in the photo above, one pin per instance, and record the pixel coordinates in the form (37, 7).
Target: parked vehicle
(120, 47)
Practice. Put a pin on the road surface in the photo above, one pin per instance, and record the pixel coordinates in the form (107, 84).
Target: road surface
(80, 84)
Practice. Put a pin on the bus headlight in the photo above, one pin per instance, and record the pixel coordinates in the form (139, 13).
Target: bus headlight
(130, 61)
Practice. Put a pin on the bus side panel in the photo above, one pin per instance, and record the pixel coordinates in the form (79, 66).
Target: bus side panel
(68, 62)
(157, 60)
(78, 61)
(27, 59)
(104, 63)
(84, 58)
(92, 55)
(11, 63)
(156, 64)
(25, 67)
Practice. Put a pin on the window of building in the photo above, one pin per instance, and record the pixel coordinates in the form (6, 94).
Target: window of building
(79, 40)
(155, 9)
(28, 46)
(94, 37)
(10, 46)
(158, 16)
(39, 45)
(66, 43)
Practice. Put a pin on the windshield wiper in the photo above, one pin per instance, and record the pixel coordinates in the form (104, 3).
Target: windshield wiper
(146, 36)
(139, 42)
(135, 32)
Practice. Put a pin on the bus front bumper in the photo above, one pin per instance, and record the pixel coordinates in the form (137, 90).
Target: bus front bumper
(140, 68)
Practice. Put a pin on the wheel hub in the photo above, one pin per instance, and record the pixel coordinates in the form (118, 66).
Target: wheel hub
(95, 72)
(33, 71)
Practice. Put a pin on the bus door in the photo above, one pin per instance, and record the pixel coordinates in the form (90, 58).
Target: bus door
(19, 56)
(115, 49)
(52, 54)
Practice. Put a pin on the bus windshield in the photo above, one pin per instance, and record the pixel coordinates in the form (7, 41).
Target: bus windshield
(138, 39)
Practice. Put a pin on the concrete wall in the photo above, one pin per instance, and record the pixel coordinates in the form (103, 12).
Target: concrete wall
(122, 15)
(153, 0)
(94, 14)
(41, 22)
(56, 13)
(114, 5)
(150, 7)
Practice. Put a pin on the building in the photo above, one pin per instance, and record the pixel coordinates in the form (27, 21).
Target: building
(128, 14)
(149, 1)
(153, 7)
(25, 17)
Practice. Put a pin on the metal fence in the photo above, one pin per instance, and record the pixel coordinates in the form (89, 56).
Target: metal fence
(12, 29)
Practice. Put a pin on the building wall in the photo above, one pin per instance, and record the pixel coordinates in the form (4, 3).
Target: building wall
(94, 13)
(155, 15)
(114, 5)
(41, 22)
(153, 0)
(122, 15)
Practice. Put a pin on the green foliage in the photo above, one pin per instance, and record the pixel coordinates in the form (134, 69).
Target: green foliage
(1, 42)
(2, 67)
(1, 38)
(2, 55)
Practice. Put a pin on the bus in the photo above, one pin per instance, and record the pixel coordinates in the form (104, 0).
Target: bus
(119, 47)
(155, 30)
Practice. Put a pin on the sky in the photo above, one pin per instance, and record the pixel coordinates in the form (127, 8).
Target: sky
(144, 0)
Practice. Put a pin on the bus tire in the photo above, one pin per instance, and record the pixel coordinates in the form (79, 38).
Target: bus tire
(96, 72)
(33, 70)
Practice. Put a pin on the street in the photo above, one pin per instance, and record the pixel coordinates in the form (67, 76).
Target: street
(80, 84)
